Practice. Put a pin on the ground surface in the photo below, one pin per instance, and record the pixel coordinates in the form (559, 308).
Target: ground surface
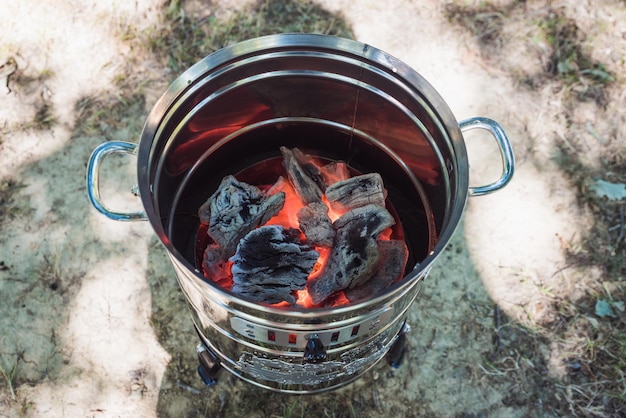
(523, 315)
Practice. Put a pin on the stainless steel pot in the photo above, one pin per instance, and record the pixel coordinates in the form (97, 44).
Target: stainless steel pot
(337, 98)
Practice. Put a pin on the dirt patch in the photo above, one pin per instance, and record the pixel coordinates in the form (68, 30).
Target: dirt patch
(523, 314)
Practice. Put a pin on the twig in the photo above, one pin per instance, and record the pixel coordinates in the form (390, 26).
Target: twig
(621, 227)
(496, 372)
(595, 134)
(187, 388)
(497, 319)
(570, 265)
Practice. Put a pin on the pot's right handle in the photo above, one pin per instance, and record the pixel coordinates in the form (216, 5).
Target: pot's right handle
(506, 152)
(93, 179)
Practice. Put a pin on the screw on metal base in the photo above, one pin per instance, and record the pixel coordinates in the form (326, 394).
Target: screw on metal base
(396, 354)
(209, 365)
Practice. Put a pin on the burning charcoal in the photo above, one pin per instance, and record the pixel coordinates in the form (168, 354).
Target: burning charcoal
(215, 264)
(316, 224)
(334, 172)
(303, 174)
(370, 219)
(355, 253)
(235, 209)
(265, 293)
(356, 191)
(393, 257)
(272, 262)
(310, 167)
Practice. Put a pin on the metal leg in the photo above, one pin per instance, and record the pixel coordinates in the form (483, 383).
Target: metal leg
(209, 363)
(396, 354)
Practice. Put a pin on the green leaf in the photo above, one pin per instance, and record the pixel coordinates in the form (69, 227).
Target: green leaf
(604, 309)
(613, 191)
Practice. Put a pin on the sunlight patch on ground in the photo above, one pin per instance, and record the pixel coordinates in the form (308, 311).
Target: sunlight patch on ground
(48, 42)
(521, 229)
(111, 319)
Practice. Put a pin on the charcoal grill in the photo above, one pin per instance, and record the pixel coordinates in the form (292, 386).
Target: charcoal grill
(339, 99)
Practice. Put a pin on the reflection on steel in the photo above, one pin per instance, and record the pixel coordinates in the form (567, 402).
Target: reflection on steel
(93, 179)
(506, 152)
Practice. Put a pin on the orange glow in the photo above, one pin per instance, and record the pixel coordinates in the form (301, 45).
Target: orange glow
(304, 299)
(340, 299)
(321, 261)
(386, 234)
(335, 172)
(332, 214)
(287, 217)
(226, 282)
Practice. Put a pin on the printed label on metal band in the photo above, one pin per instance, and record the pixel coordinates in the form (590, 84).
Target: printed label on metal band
(298, 339)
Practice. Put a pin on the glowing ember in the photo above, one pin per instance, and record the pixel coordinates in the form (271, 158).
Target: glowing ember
(340, 215)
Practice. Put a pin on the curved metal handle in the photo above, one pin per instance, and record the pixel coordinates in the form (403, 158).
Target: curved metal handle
(93, 184)
(506, 152)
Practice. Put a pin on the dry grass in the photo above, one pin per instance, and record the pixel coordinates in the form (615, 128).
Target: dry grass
(606, 244)
(567, 60)
(570, 63)
(9, 207)
(104, 114)
(25, 81)
(182, 41)
(8, 373)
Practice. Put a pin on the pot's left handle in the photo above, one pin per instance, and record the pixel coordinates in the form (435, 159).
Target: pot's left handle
(93, 173)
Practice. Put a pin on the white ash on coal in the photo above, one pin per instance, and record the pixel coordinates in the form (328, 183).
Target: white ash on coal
(235, 209)
(304, 175)
(355, 252)
(272, 262)
(316, 225)
(356, 192)
(393, 257)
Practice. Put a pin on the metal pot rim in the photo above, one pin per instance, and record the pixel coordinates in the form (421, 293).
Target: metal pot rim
(340, 46)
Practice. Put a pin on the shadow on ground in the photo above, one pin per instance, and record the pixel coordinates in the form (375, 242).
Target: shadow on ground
(43, 273)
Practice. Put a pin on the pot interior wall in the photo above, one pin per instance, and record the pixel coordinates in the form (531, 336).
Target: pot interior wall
(261, 144)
